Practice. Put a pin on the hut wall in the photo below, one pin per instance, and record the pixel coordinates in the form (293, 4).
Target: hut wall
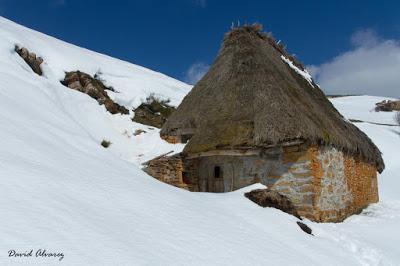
(287, 170)
(228, 173)
(190, 174)
(297, 181)
(324, 184)
(343, 185)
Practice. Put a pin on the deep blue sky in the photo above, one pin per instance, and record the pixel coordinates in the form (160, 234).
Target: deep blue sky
(169, 36)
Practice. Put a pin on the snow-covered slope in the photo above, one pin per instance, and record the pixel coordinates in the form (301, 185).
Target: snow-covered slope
(387, 138)
(61, 191)
(363, 108)
(133, 84)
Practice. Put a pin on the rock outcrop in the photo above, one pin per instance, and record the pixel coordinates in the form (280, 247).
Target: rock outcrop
(270, 198)
(387, 106)
(93, 87)
(31, 59)
(154, 112)
(304, 227)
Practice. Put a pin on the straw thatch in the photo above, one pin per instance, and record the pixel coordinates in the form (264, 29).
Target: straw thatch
(250, 97)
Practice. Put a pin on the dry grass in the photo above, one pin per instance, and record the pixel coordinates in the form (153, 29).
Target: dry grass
(153, 98)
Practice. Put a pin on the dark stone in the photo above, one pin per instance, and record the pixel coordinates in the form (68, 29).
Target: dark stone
(305, 228)
(356, 121)
(271, 198)
(154, 112)
(139, 131)
(31, 59)
(105, 143)
(387, 106)
(93, 87)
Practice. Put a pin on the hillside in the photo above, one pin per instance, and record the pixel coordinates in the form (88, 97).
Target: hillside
(63, 192)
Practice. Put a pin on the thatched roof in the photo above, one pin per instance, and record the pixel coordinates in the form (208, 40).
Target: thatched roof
(251, 97)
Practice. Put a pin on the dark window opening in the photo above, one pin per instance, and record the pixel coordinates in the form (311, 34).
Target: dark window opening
(217, 172)
(185, 177)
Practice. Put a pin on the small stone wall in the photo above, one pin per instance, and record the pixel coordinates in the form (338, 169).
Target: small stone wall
(167, 169)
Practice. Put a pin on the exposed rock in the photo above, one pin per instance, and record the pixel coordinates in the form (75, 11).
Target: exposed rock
(138, 132)
(93, 87)
(387, 106)
(305, 228)
(105, 143)
(31, 59)
(356, 120)
(270, 198)
(154, 112)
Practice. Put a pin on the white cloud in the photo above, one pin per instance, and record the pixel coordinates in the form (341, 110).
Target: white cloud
(371, 67)
(365, 38)
(195, 72)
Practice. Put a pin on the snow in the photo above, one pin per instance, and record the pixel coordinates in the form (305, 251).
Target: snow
(304, 73)
(363, 108)
(63, 192)
(133, 84)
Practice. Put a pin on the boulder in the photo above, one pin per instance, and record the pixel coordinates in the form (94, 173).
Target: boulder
(138, 132)
(93, 87)
(304, 227)
(271, 198)
(387, 106)
(154, 112)
(31, 59)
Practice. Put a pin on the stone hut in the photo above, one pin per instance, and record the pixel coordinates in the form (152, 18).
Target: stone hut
(257, 117)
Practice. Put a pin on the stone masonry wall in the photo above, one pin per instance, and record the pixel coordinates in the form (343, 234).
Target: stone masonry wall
(167, 169)
(362, 182)
(343, 185)
(297, 181)
(326, 185)
(323, 184)
(190, 174)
